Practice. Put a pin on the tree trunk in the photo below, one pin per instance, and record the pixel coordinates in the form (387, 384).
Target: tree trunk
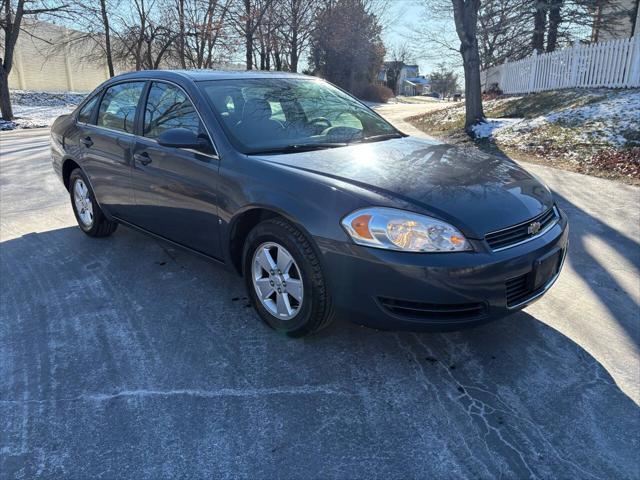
(277, 60)
(539, 25)
(11, 29)
(473, 94)
(293, 45)
(249, 49)
(465, 14)
(248, 34)
(181, 38)
(555, 18)
(5, 100)
(267, 58)
(107, 36)
(293, 63)
(634, 14)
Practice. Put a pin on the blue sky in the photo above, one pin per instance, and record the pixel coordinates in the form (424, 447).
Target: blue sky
(404, 17)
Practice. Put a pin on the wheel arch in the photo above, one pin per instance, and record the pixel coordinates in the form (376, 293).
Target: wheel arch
(68, 166)
(244, 221)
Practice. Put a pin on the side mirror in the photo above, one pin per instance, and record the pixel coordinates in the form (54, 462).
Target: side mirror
(182, 138)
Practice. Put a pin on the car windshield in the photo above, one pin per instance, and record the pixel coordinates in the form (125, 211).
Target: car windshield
(282, 115)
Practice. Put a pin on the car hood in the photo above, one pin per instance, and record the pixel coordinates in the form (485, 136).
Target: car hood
(476, 192)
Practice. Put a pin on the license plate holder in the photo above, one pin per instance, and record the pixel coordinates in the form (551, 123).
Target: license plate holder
(545, 267)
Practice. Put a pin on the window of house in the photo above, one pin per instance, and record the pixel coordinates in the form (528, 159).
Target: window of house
(118, 106)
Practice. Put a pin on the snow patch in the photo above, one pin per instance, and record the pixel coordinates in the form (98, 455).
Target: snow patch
(488, 128)
(611, 121)
(40, 109)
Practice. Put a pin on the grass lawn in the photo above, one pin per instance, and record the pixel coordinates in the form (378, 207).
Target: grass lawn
(589, 131)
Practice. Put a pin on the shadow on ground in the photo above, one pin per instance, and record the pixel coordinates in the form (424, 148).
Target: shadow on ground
(122, 357)
(588, 234)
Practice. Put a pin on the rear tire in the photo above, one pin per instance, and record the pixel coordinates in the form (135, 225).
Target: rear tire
(305, 301)
(89, 216)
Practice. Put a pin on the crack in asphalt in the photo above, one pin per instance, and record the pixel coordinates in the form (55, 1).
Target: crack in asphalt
(222, 392)
(483, 410)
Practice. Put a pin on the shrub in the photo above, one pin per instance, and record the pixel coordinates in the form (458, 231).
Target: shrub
(492, 92)
(375, 93)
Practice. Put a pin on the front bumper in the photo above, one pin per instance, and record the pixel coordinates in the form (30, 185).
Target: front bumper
(417, 291)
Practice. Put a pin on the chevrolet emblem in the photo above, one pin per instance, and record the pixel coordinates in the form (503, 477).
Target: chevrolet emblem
(534, 228)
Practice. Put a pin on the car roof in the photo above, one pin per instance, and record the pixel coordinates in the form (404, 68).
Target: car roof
(204, 75)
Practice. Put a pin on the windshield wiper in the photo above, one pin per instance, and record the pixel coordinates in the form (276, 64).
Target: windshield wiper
(379, 138)
(303, 147)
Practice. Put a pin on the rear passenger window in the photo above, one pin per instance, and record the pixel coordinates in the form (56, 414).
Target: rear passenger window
(118, 106)
(86, 112)
(168, 107)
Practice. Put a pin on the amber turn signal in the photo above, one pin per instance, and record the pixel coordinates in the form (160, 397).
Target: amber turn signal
(361, 226)
(456, 240)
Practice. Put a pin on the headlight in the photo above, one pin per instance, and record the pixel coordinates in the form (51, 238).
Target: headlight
(400, 230)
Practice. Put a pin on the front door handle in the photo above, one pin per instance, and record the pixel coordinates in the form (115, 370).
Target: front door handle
(142, 158)
(86, 141)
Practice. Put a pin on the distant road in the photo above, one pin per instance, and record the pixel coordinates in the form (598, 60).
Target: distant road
(396, 113)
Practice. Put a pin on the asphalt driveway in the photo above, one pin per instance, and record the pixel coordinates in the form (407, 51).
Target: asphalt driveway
(126, 358)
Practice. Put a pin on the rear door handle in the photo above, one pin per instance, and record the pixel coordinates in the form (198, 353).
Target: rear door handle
(142, 158)
(86, 141)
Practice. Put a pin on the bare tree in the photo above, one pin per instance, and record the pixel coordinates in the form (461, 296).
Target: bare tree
(93, 31)
(503, 31)
(297, 28)
(444, 81)
(397, 58)
(13, 13)
(206, 36)
(266, 36)
(247, 16)
(144, 36)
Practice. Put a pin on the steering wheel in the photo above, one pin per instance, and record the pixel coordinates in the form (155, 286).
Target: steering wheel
(321, 122)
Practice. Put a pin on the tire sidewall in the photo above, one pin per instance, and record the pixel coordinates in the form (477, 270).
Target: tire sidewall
(272, 232)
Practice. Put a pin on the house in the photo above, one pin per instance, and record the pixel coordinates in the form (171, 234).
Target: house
(415, 86)
(408, 81)
(407, 71)
(381, 78)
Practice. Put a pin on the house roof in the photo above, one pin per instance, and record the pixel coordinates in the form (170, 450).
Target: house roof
(417, 81)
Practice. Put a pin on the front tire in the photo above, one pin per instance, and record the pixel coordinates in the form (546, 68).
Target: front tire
(89, 216)
(284, 279)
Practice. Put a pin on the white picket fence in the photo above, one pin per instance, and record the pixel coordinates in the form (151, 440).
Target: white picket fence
(612, 64)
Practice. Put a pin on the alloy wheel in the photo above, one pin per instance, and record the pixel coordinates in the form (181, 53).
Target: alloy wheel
(277, 280)
(83, 203)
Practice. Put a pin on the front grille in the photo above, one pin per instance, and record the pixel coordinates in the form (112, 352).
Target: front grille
(519, 233)
(518, 290)
(430, 311)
